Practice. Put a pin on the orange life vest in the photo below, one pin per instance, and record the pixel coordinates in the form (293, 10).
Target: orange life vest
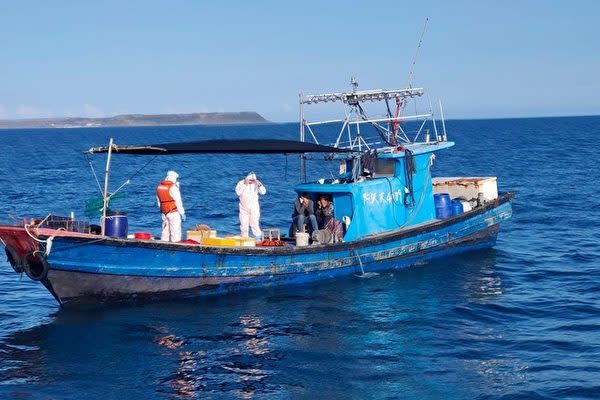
(167, 203)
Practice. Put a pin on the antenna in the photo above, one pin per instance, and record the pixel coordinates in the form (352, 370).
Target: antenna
(354, 84)
(443, 121)
(414, 61)
(433, 119)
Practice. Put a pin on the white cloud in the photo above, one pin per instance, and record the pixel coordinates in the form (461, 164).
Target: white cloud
(287, 107)
(91, 111)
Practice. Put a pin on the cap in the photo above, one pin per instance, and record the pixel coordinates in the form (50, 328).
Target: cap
(172, 176)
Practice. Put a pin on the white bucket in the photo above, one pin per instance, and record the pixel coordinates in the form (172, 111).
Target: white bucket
(301, 239)
(466, 206)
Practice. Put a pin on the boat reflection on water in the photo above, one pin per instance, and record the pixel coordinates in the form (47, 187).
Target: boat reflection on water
(486, 284)
(251, 376)
(480, 315)
(210, 370)
(255, 344)
(183, 380)
(283, 342)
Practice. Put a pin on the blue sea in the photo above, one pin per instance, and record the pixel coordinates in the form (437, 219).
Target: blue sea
(521, 320)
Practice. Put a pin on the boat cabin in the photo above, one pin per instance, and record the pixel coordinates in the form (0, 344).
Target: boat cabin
(381, 191)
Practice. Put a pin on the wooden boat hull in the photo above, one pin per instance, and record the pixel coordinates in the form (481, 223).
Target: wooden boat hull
(88, 270)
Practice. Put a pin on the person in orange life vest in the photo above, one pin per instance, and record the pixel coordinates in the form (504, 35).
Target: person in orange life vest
(171, 207)
(248, 190)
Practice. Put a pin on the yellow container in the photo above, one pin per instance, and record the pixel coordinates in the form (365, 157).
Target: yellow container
(196, 235)
(199, 236)
(216, 241)
(243, 241)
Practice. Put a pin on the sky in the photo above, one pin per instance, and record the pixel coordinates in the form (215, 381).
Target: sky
(482, 59)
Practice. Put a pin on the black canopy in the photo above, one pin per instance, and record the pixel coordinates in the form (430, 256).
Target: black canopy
(244, 146)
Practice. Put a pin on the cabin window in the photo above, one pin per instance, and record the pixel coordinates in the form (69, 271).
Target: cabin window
(384, 167)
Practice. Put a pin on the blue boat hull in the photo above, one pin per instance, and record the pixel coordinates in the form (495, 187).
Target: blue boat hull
(91, 271)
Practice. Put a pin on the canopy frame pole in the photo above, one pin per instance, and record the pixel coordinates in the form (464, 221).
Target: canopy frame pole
(302, 155)
(105, 194)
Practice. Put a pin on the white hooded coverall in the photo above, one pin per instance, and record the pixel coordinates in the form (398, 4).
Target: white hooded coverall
(249, 207)
(171, 222)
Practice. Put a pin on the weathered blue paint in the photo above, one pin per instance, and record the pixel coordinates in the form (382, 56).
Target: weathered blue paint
(129, 263)
(377, 205)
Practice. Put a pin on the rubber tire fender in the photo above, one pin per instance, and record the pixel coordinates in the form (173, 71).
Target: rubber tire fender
(14, 260)
(35, 266)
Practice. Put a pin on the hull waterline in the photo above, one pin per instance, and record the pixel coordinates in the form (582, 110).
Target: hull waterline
(81, 271)
(72, 288)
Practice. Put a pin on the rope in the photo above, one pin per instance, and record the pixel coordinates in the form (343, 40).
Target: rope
(409, 170)
(396, 123)
(44, 220)
(119, 189)
(31, 236)
(140, 170)
(48, 242)
(362, 270)
(412, 67)
(389, 110)
(374, 125)
(421, 199)
(94, 172)
(128, 181)
(389, 113)
(13, 218)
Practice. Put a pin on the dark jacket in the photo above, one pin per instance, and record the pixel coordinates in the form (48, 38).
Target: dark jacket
(304, 210)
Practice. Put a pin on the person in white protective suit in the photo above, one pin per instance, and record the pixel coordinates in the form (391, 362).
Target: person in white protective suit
(168, 197)
(248, 190)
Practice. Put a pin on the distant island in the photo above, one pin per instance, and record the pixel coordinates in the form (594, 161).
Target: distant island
(214, 118)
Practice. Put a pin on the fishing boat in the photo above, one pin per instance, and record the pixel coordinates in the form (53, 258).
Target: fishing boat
(393, 214)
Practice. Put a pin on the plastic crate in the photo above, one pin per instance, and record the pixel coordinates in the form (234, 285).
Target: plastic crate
(66, 223)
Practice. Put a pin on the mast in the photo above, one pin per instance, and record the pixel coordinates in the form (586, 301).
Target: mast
(105, 194)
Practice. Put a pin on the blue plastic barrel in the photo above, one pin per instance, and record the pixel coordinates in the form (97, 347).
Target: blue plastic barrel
(115, 224)
(443, 205)
(457, 207)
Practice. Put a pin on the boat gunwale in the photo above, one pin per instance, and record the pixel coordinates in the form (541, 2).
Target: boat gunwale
(374, 239)
(74, 300)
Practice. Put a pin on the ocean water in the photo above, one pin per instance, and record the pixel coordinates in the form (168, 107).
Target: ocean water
(521, 320)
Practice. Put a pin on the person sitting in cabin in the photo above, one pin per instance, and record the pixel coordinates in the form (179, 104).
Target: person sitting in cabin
(303, 209)
(168, 198)
(326, 220)
(324, 212)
